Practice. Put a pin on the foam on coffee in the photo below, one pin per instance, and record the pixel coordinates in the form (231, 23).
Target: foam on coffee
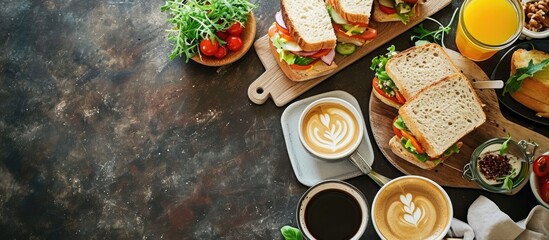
(412, 208)
(330, 129)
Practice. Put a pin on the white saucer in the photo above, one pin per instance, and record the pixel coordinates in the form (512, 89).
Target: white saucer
(308, 169)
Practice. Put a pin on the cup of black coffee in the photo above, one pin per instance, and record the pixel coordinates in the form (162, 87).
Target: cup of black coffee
(332, 209)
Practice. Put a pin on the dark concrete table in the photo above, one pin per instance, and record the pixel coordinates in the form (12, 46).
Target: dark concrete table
(102, 137)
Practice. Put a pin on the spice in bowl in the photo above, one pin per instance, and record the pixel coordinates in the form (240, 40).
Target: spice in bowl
(496, 167)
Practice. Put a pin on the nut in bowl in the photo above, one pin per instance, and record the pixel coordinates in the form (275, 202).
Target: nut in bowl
(211, 32)
(539, 179)
(536, 23)
(500, 165)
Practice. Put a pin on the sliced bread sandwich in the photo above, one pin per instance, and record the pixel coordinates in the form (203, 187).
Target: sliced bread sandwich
(350, 20)
(534, 91)
(303, 39)
(408, 72)
(418, 67)
(431, 123)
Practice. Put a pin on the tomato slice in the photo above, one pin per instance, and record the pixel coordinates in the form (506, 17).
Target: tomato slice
(400, 98)
(414, 141)
(397, 131)
(375, 85)
(369, 34)
(282, 30)
(541, 165)
(544, 192)
(303, 67)
(410, 1)
(320, 53)
(387, 10)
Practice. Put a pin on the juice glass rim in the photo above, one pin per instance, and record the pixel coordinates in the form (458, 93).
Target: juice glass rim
(516, 4)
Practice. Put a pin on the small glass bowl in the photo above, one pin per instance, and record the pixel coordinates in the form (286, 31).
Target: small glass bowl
(520, 150)
(534, 185)
(528, 34)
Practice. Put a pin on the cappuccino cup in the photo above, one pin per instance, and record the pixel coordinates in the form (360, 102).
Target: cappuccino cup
(332, 209)
(412, 207)
(331, 128)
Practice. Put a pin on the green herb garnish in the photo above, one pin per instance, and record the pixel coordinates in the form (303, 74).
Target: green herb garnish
(507, 180)
(514, 82)
(503, 149)
(423, 36)
(291, 233)
(194, 20)
(378, 65)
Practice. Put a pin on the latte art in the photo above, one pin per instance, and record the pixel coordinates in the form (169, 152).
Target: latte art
(330, 128)
(412, 209)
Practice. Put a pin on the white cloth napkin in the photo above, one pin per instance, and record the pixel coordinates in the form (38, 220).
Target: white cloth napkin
(487, 221)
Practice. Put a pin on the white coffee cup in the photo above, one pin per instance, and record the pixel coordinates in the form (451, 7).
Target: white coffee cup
(412, 207)
(332, 209)
(331, 128)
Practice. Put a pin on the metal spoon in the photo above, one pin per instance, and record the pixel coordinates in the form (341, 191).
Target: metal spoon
(358, 160)
(492, 84)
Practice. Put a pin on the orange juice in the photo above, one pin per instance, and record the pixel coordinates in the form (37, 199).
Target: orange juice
(486, 26)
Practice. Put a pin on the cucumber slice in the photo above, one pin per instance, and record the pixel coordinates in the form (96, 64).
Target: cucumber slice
(336, 17)
(387, 3)
(345, 48)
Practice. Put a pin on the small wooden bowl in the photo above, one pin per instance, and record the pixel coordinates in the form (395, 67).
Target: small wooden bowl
(247, 36)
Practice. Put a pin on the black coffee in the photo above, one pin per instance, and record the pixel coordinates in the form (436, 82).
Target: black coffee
(333, 214)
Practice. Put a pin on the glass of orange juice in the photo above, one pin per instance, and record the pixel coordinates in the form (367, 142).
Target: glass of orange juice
(486, 26)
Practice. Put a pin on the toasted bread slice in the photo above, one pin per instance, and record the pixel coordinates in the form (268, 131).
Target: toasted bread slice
(418, 67)
(443, 113)
(319, 68)
(309, 24)
(380, 16)
(353, 10)
(534, 91)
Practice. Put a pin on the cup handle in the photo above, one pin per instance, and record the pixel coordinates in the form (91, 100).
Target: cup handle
(525, 145)
(467, 174)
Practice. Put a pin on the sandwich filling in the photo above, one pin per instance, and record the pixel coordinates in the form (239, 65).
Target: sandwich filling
(356, 30)
(291, 53)
(382, 83)
(412, 145)
(404, 9)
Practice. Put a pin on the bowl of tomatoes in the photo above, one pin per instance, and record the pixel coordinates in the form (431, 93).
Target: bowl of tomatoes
(210, 32)
(539, 179)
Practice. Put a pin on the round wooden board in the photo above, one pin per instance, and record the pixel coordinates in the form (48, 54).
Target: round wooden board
(450, 172)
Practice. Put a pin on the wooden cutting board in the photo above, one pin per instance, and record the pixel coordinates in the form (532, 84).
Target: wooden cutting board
(450, 173)
(273, 82)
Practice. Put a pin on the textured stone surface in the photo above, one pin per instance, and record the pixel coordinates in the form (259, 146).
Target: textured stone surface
(102, 137)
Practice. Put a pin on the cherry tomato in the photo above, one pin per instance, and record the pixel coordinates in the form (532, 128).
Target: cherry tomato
(208, 47)
(541, 166)
(222, 35)
(410, 1)
(221, 52)
(386, 10)
(543, 180)
(544, 192)
(234, 43)
(235, 29)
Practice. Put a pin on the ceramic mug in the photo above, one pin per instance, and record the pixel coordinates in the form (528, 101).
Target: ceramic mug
(412, 207)
(332, 209)
(331, 128)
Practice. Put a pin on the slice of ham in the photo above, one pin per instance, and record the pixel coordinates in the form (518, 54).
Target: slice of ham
(304, 53)
(329, 58)
(280, 20)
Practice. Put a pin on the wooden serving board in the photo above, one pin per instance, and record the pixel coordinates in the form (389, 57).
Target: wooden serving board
(450, 172)
(275, 84)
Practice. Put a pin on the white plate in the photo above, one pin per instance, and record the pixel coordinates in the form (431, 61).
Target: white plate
(308, 169)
